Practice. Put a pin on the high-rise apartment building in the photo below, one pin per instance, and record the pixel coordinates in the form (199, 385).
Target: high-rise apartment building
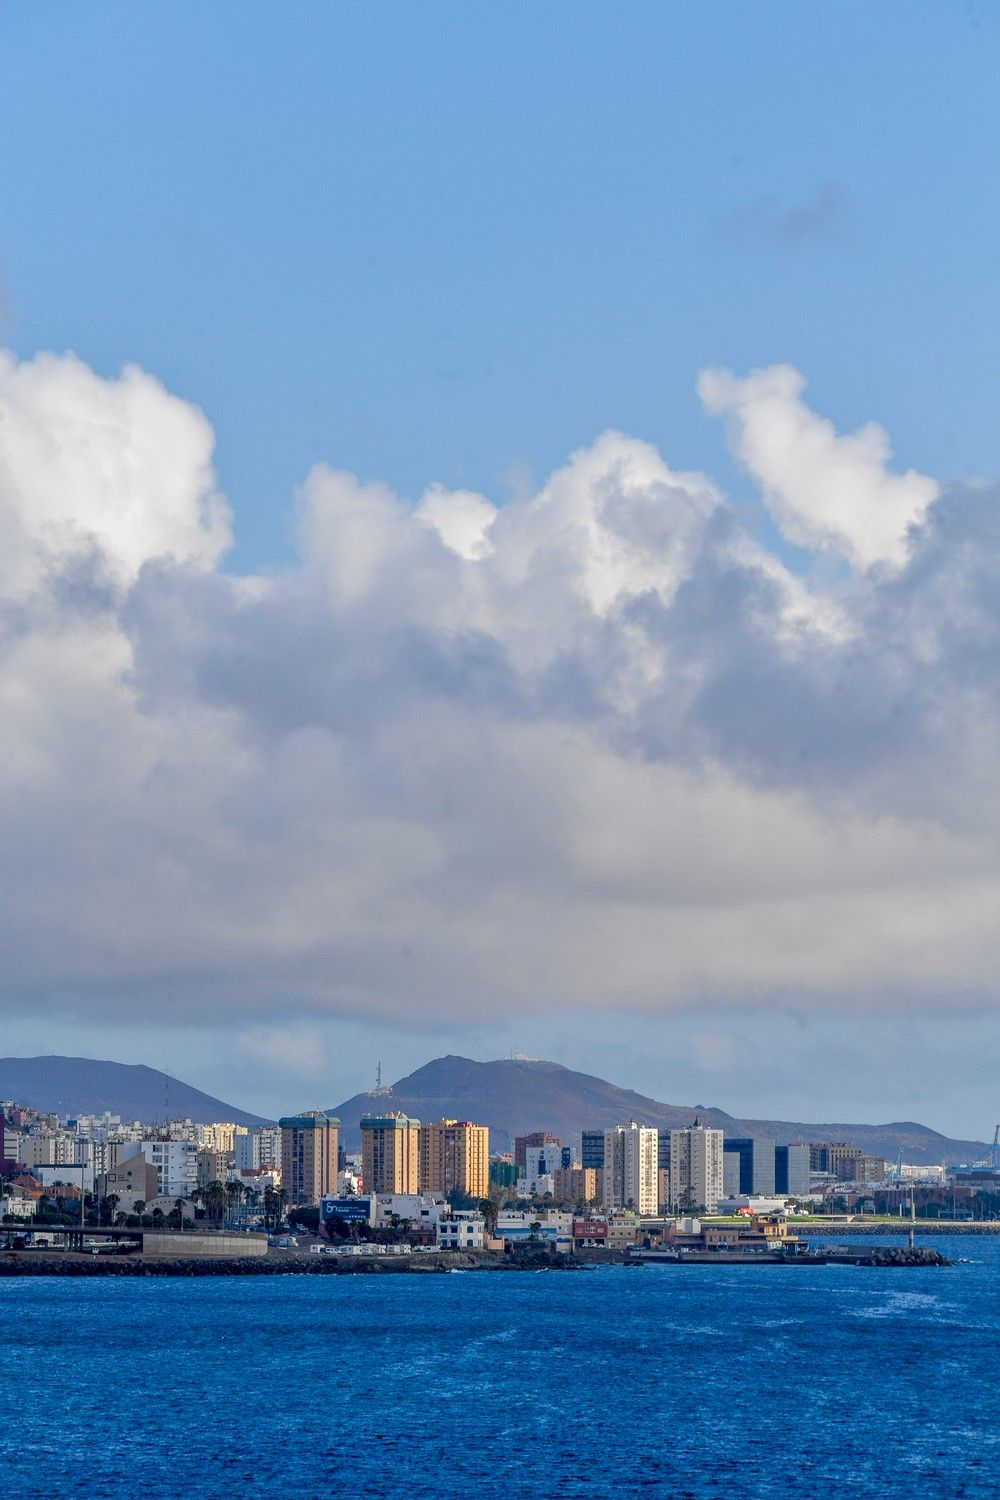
(630, 1168)
(839, 1158)
(309, 1155)
(219, 1137)
(56, 1148)
(592, 1149)
(791, 1170)
(748, 1165)
(258, 1148)
(390, 1152)
(535, 1138)
(454, 1156)
(176, 1164)
(696, 1169)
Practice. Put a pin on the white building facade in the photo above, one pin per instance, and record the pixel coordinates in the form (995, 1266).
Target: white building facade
(630, 1168)
(696, 1169)
(176, 1164)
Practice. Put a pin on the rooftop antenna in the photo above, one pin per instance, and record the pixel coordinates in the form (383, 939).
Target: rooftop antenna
(381, 1090)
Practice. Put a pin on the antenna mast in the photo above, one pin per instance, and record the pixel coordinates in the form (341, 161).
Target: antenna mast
(380, 1090)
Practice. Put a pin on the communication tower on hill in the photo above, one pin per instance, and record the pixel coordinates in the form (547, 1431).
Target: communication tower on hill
(380, 1090)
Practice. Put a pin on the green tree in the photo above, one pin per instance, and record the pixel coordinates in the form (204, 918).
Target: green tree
(490, 1212)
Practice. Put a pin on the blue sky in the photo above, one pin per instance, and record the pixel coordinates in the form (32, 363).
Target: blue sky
(452, 244)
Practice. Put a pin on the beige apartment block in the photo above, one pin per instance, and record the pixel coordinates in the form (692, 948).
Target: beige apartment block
(454, 1156)
(390, 1154)
(220, 1137)
(577, 1184)
(309, 1145)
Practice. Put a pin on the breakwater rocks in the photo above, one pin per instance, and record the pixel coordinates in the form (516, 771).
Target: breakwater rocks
(899, 1227)
(30, 1263)
(885, 1255)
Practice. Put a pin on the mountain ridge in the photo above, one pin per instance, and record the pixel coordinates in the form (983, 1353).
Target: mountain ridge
(514, 1096)
(511, 1095)
(71, 1086)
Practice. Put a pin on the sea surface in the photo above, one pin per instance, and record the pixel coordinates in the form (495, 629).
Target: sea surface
(665, 1381)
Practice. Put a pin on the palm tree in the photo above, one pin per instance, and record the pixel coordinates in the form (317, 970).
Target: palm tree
(274, 1201)
(490, 1212)
(213, 1195)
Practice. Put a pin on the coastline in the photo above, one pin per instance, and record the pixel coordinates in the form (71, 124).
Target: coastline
(32, 1263)
(899, 1227)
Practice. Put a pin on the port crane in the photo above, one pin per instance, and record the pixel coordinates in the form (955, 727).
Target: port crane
(993, 1160)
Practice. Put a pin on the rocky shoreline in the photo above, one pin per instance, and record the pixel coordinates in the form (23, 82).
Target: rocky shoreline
(31, 1263)
(886, 1255)
(899, 1227)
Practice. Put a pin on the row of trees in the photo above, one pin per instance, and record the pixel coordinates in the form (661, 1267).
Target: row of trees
(217, 1200)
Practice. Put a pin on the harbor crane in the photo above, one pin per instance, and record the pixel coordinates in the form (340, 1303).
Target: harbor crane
(993, 1160)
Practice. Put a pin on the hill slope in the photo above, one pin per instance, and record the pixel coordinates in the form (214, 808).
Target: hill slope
(513, 1097)
(87, 1086)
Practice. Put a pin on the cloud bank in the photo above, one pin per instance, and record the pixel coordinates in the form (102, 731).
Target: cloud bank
(594, 747)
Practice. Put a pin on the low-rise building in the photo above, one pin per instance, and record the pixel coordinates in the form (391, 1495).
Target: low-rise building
(549, 1227)
(460, 1229)
(16, 1206)
(752, 1204)
(623, 1230)
(133, 1181)
(590, 1234)
(76, 1176)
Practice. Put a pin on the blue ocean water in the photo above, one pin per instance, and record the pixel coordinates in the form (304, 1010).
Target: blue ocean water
(696, 1382)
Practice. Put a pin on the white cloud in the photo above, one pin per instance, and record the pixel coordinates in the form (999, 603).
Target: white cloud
(823, 488)
(461, 518)
(117, 464)
(592, 747)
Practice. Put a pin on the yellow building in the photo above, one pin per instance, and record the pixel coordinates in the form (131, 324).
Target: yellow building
(220, 1137)
(389, 1154)
(454, 1156)
(309, 1145)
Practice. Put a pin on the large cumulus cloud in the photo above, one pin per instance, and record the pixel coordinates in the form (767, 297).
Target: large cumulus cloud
(596, 746)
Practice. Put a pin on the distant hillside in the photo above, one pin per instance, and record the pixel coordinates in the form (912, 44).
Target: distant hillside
(513, 1097)
(85, 1086)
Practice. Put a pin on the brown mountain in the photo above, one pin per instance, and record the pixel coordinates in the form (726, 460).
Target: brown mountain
(515, 1096)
